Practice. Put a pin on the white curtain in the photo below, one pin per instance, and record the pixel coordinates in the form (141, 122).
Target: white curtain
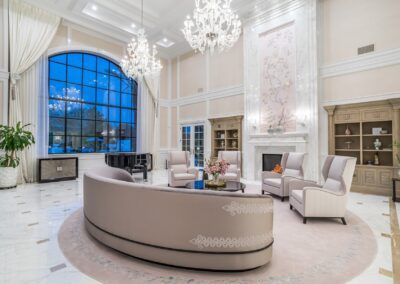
(30, 33)
(148, 118)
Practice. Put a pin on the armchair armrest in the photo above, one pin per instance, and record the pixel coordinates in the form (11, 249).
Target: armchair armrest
(298, 184)
(193, 171)
(265, 175)
(320, 190)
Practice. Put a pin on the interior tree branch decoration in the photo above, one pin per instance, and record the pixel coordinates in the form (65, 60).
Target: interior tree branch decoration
(214, 24)
(140, 61)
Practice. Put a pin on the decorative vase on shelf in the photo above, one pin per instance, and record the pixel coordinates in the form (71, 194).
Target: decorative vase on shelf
(376, 159)
(377, 144)
(347, 131)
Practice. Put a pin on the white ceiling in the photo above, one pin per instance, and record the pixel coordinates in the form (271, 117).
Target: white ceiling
(162, 18)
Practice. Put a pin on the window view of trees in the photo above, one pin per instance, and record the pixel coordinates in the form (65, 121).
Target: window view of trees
(92, 105)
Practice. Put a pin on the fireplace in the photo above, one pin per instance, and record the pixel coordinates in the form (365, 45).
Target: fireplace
(269, 161)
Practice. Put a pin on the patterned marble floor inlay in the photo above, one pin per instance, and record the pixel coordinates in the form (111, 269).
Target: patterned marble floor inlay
(58, 267)
(33, 224)
(24, 263)
(42, 241)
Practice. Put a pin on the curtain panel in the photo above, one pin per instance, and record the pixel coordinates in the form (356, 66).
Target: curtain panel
(30, 32)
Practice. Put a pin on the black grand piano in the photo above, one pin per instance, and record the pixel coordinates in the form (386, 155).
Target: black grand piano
(131, 162)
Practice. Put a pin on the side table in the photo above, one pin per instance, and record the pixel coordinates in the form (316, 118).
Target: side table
(394, 189)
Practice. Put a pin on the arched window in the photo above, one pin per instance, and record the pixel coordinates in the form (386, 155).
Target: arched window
(92, 105)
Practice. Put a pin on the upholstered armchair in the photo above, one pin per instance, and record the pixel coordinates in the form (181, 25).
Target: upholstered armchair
(234, 160)
(278, 184)
(179, 171)
(327, 200)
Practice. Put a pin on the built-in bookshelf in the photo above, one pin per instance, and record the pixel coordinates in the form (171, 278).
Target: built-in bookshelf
(353, 131)
(226, 134)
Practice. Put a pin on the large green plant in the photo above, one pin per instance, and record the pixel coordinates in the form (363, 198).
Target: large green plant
(13, 140)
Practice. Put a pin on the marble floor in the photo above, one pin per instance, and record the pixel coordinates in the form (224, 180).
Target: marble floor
(33, 213)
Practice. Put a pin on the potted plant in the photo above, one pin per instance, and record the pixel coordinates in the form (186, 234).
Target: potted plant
(12, 141)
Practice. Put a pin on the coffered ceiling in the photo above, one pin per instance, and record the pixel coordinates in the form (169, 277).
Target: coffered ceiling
(120, 19)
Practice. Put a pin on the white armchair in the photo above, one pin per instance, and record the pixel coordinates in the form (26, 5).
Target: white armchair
(179, 171)
(330, 199)
(278, 184)
(234, 160)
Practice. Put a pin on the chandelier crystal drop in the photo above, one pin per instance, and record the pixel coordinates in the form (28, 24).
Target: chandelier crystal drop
(139, 61)
(214, 25)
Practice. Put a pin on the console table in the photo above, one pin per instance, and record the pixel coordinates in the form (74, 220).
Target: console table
(394, 190)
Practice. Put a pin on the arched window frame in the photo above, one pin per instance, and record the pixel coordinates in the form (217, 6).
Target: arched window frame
(111, 133)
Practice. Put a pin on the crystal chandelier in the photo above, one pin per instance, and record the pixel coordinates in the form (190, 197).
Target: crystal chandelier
(213, 25)
(139, 60)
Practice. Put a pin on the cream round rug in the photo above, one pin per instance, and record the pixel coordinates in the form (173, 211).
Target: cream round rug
(322, 251)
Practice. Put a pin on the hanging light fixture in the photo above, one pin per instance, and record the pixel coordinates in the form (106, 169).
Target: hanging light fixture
(214, 24)
(139, 61)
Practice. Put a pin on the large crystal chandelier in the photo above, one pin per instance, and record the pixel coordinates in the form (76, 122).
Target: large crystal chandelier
(213, 25)
(139, 61)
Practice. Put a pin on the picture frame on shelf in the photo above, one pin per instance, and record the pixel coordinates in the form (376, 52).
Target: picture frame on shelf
(376, 130)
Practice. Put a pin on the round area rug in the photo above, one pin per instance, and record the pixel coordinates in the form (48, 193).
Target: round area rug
(322, 251)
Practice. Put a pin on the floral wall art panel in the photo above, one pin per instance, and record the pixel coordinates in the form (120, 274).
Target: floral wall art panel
(277, 81)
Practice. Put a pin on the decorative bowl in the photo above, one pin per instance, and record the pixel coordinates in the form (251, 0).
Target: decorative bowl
(212, 183)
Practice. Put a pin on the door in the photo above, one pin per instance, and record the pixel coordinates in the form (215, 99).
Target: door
(192, 140)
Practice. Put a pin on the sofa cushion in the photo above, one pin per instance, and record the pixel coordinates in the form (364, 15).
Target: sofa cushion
(298, 195)
(275, 182)
(185, 176)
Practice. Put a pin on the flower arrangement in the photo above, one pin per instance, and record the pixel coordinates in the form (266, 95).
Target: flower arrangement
(215, 168)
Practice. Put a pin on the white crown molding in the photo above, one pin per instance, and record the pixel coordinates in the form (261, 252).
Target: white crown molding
(204, 96)
(366, 99)
(362, 63)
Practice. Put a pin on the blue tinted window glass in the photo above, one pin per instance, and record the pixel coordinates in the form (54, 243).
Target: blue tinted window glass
(91, 105)
(126, 145)
(57, 71)
(103, 65)
(88, 127)
(115, 83)
(56, 108)
(89, 78)
(74, 127)
(114, 114)
(113, 144)
(127, 100)
(74, 75)
(88, 111)
(126, 115)
(56, 144)
(73, 110)
(102, 81)
(74, 92)
(115, 98)
(57, 126)
(73, 144)
(89, 62)
(62, 58)
(57, 89)
(115, 70)
(89, 95)
(102, 97)
(101, 112)
(75, 59)
(126, 86)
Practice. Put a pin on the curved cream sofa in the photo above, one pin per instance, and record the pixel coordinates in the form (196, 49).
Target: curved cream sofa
(181, 227)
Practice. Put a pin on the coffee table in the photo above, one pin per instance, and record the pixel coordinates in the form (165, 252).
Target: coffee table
(229, 186)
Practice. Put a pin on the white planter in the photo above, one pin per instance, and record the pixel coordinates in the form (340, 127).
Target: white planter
(8, 177)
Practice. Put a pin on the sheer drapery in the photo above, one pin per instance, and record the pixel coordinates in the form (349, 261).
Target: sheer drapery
(30, 33)
(148, 119)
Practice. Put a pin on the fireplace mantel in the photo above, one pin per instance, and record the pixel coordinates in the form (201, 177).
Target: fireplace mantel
(303, 135)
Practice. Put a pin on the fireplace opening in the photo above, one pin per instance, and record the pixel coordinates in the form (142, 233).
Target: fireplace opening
(269, 161)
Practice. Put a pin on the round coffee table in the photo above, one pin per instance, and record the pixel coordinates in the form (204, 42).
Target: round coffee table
(229, 186)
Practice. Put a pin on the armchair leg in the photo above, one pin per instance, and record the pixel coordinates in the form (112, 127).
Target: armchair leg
(262, 191)
(282, 198)
(291, 207)
(304, 220)
(343, 221)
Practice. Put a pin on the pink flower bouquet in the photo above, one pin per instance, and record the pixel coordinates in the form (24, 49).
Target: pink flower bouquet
(216, 168)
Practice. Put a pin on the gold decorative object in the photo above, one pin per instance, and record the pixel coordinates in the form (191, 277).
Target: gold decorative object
(215, 183)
